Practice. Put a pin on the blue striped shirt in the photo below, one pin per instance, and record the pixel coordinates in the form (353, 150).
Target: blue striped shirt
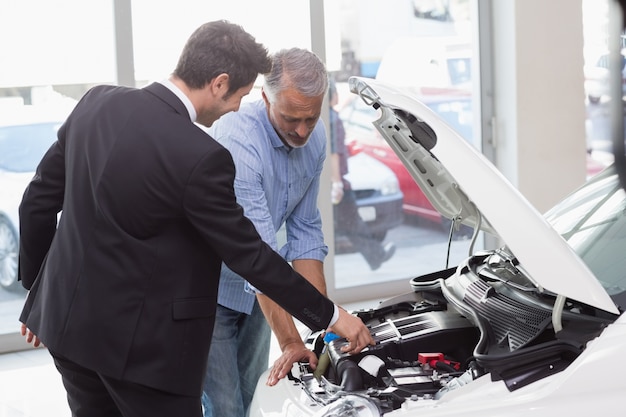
(275, 185)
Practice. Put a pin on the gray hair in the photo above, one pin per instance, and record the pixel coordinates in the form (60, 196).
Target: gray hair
(299, 69)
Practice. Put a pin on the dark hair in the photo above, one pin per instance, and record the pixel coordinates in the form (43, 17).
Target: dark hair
(222, 47)
(299, 69)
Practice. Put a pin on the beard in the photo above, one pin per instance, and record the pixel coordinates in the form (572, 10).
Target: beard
(293, 140)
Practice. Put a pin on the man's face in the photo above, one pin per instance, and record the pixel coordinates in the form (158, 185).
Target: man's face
(223, 104)
(294, 116)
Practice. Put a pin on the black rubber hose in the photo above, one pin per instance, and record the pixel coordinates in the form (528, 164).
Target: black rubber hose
(350, 375)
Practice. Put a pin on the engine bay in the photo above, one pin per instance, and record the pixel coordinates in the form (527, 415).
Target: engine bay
(455, 326)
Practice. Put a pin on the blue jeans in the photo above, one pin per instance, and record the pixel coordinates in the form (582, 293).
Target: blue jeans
(239, 355)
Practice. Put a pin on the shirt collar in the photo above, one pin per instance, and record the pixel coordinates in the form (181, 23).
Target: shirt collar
(179, 93)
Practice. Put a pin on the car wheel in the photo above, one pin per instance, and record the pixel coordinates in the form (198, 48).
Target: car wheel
(8, 255)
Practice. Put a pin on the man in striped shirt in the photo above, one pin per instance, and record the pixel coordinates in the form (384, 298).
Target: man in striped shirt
(278, 144)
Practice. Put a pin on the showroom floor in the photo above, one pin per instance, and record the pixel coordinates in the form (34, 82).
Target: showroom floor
(30, 386)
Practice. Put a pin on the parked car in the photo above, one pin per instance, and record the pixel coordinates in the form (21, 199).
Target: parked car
(26, 133)
(532, 328)
(377, 192)
(454, 106)
(597, 83)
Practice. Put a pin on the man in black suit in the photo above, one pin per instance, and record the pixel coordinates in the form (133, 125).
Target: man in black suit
(123, 291)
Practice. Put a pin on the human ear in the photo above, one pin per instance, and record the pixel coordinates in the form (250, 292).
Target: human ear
(220, 84)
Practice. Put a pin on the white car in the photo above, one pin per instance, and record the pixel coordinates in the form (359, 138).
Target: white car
(435, 64)
(597, 78)
(533, 328)
(26, 133)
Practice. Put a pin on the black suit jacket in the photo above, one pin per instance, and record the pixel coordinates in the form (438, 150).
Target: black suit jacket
(127, 283)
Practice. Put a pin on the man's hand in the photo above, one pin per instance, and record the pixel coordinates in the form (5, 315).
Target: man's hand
(355, 332)
(30, 336)
(287, 335)
(292, 353)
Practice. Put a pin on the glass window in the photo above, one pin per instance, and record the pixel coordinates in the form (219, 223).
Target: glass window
(57, 51)
(410, 44)
(597, 90)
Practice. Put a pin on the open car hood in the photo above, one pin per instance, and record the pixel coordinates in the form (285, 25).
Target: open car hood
(463, 184)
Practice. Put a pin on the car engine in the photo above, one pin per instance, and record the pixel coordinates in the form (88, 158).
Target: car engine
(456, 325)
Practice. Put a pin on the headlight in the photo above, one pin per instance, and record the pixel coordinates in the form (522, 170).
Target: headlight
(390, 186)
(350, 406)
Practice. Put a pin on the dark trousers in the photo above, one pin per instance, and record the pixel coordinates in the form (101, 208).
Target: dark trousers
(91, 394)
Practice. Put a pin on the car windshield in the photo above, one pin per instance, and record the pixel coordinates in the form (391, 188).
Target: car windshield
(593, 222)
(22, 147)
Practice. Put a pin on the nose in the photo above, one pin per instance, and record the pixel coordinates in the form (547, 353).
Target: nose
(303, 129)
